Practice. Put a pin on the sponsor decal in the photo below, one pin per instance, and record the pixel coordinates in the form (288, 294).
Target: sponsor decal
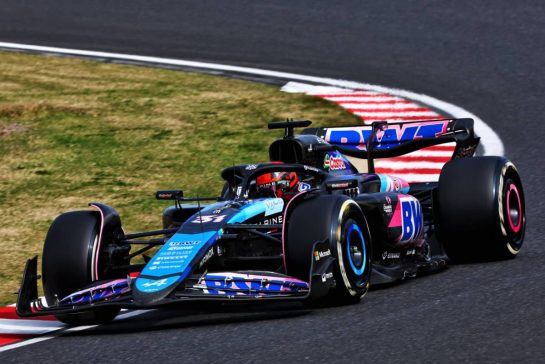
(101, 292)
(251, 167)
(411, 219)
(174, 259)
(152, 285)
(169, 266)
(390, 255)
(397, 184)
(168, 258)
(178, 243)
(326, 276)
(309, 168)
(341, 185)
(319, 255)
(393, 184)
(169, 195)
(387, 206)
(410, 252)
(273, 206)
(333, 162)
(208, 218)
(158, 283)
(236, 284)
(272, 221)
(165, 196)
(172, 248)
(206, 257)
(357, 137)
(303, 186)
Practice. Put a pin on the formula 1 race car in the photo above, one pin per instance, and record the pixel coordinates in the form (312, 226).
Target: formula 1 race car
(306, 226)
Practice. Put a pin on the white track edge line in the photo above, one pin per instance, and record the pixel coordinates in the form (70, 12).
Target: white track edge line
(491, 142)
(62, 330)
(48, 336)
(365, 107)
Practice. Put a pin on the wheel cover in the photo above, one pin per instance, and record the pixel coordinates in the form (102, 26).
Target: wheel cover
(356, 252)
(514, 208)
(511, 208)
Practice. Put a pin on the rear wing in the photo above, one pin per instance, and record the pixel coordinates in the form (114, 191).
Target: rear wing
(385, 140)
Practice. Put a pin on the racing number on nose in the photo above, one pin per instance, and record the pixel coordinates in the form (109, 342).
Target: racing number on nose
(205, 219)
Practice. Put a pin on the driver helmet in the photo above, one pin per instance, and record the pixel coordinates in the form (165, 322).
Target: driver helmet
(282, 184)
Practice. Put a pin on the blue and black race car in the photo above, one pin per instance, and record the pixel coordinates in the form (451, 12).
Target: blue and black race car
(306, 226)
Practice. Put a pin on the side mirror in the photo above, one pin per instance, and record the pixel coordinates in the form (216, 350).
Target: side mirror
(169, 195)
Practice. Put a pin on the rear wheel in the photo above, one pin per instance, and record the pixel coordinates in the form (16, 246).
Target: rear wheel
(70, 262)
(338, 220)
(481, 209)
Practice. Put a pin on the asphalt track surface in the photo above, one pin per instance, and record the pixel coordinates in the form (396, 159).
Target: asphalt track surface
(487, 57)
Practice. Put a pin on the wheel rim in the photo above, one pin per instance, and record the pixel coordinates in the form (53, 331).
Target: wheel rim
(514, 208)
(356, 252)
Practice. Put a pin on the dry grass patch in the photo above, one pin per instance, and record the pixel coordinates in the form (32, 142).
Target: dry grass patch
(12, 128)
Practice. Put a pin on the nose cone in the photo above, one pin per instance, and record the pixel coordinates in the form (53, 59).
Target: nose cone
(148, 291)
(171, 265)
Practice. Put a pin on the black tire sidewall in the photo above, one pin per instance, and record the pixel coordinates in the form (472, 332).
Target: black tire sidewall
(67, 258)
(67, 262)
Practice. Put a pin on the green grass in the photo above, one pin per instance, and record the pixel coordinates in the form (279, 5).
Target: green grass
(74, 131)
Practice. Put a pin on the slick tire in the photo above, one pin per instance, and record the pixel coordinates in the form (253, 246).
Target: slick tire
(340, 221)
(67, 263)
(480, 209)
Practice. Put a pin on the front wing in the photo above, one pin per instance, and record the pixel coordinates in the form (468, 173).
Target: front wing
(217, 286)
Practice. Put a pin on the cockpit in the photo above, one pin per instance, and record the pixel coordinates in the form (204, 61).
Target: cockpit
(269, 180)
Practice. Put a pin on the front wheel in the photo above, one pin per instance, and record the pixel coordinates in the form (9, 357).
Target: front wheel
(70, 262)
(353, 243)
(339, 221)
